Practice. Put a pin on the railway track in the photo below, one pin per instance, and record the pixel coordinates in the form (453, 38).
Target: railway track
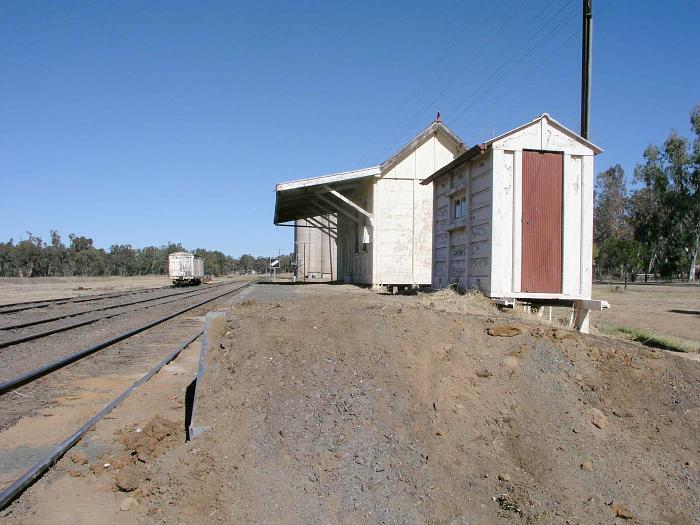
(25, 324)
(56, 364)
(44, 303)
(36, 470)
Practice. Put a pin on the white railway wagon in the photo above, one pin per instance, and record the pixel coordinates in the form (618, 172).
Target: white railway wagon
(185, 268)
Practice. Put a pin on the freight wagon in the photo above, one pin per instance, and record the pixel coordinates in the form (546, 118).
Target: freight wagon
(185, 268)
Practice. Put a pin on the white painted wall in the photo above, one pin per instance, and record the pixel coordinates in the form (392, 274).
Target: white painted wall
(493, 232)
(403, 214)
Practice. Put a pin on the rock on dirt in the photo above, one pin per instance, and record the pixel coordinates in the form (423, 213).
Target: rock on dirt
(504, 330)
(620, 511)
(152, 439)
(128, 478)
(128, 503)
(560, 334)
(598, 419)
(79, 458)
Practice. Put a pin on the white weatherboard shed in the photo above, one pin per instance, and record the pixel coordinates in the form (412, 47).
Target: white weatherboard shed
(513, 217)
(382, 214)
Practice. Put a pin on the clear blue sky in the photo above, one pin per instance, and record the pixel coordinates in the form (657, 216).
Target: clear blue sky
(148, 122)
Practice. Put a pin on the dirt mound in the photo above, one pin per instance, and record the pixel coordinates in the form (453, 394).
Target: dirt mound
(149, 441)
(367, 408)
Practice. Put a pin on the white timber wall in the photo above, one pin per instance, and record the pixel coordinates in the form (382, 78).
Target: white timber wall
(493, 233)
(403, 215)
(577, 225)
(480, 232)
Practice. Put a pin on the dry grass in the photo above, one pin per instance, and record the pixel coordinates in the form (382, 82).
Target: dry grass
(448, 299)
(651, 338)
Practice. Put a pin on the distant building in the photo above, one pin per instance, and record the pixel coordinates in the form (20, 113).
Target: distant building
(315, 249)
(382, 214)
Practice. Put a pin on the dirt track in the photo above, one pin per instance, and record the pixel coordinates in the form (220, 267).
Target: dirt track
(335, 405)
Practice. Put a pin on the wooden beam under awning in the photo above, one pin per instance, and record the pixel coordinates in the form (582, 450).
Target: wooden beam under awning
(338, 208)
(348, 201)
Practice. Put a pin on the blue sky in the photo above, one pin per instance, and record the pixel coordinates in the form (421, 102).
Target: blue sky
(147, 122)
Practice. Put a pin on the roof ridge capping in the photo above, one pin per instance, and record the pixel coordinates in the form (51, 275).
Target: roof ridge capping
(556, 123)
(481, 148)
(434, 126)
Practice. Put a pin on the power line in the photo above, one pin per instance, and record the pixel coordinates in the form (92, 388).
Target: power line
(485, 83)
(546, 60)
(431, 78)
(506, 17)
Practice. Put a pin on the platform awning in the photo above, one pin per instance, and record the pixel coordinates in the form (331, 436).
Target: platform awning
(305, 198)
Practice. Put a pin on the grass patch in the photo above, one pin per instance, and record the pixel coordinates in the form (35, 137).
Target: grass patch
(653, 339)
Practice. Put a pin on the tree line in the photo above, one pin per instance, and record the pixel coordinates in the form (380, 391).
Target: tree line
(33, 257)
(650, 226)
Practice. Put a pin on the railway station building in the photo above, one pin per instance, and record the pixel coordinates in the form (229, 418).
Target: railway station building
(381, 216)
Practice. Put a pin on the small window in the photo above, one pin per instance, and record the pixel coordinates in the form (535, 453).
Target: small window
(460, 208)
(365, 239)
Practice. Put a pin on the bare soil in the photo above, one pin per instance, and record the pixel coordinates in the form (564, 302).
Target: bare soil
(672, 309)
(331, 404)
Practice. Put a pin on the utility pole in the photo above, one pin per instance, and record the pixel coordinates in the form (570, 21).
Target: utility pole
(586, 46)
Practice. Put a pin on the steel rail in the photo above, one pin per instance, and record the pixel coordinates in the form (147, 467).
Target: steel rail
(65, 328)
(28, 305)
(34, 472)
(43, 370)
(110, 307)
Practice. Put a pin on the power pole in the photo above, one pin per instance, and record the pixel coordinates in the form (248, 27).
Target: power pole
(586, 47)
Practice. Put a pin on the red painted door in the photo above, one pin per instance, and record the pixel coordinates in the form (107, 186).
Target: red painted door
(541, 257)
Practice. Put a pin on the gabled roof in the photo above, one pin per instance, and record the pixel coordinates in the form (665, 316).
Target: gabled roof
(298, 199)
(435, 127)
(479, 149)
(561, 127)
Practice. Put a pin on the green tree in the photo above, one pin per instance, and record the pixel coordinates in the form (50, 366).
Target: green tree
(667, 210)
(611, 204)
(621, 257)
